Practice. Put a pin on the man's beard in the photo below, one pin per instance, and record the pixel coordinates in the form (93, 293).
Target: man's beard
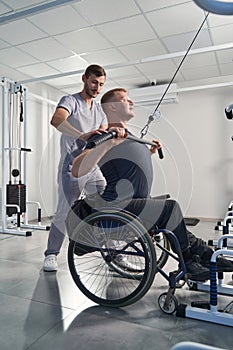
(89, 92)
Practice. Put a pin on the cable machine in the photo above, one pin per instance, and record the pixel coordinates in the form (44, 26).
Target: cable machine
(14, 194)
(226, 225)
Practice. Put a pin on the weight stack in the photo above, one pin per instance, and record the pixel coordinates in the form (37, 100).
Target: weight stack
(16, 194)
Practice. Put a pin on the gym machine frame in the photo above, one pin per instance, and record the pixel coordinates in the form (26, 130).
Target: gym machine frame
(208, 311)
(9, 207)
(226, 225)
(222, 288)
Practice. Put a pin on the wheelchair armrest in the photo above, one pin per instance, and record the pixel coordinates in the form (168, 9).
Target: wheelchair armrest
(163, 196)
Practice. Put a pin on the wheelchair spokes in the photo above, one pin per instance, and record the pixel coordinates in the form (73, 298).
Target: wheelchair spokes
(93, 257)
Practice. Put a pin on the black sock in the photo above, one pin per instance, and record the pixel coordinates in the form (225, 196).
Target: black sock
(187, 256)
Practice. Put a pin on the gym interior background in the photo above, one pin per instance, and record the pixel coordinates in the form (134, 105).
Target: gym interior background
(46, 45)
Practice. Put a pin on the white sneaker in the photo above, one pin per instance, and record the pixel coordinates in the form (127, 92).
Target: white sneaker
(123, 262)
(50, 263)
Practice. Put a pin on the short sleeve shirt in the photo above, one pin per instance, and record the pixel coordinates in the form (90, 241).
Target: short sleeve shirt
(80, 117)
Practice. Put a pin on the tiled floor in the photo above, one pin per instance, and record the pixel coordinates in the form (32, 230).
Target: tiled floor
(46, 311)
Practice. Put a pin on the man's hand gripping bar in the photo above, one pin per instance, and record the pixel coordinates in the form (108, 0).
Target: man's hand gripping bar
(160, 152)
(112, 134)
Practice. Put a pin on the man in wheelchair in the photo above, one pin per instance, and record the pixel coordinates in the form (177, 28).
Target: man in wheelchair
(127, 168)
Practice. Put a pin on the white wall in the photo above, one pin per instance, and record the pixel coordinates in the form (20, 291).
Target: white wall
(197, 145)
(198, 165)
(42, 162)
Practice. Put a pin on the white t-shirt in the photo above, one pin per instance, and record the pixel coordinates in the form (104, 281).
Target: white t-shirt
(82, 118)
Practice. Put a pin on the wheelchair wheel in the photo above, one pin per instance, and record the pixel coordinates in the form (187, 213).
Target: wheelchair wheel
(93, 258)
(171, 307)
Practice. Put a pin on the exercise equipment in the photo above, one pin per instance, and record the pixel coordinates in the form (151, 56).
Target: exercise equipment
(226, 225)
(208, 311)
(156, 113)
(188, 345)
(14, 194)
(216, 6)
(112, 134)
(222, 288)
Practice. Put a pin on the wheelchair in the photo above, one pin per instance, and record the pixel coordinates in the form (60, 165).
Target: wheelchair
(102, 236)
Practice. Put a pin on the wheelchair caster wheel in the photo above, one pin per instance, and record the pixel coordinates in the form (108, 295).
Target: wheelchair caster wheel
(170, 307)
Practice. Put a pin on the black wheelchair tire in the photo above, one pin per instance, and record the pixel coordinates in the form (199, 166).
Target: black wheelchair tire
(130, 288)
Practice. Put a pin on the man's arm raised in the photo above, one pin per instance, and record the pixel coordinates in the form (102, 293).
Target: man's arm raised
(89, 158)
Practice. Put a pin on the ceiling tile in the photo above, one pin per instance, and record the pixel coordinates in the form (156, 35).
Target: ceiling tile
(16, 4)
(122, 72)
(200, 72)
(38, 70)
(106, 11)
(12, 56)
(3, 44)
(67, 81)
(103, 57)
(148, 5)
(222, 34)
(166, 67)
(52, 22)
(218, 20)
(198, 60)
(109, 84)
(181, 42)
(20, 31)
(45, 49)
(11, 73)
(83, 41)
(124, 31)
(225, 56)
(4, 9)
(160, 72)
(143, 49)
(178, 18)
(132, 82)
(69, 64)
(226, 69)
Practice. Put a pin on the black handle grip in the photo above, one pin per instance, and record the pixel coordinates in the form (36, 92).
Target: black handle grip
(21, 112)
(160, 152)
(229, 114)
(25, 149)
(133, 138)
(100, 139)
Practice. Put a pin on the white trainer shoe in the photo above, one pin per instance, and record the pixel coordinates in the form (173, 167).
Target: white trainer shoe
(123, 262)
(50, 263)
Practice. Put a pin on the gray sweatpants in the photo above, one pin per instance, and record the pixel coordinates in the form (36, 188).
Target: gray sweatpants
(69, 189)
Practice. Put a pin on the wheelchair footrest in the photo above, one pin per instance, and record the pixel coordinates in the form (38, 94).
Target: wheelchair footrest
(201, 304)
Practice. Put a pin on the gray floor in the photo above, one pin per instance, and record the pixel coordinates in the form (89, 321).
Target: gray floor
(46, 311)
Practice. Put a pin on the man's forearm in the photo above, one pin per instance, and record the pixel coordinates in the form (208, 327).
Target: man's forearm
(89, 158)
(67, 129)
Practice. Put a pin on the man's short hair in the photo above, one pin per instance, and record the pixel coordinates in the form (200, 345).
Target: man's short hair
(96, 70)
(110, 94)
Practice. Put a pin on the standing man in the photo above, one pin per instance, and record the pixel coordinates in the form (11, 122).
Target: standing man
(77, 117)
